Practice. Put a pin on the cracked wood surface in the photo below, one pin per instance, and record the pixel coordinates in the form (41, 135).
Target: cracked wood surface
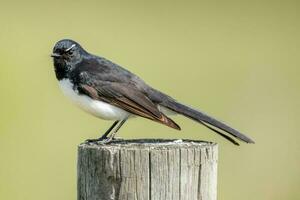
(148, 169)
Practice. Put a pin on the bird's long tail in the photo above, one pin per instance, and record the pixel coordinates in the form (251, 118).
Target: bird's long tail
(206, 120)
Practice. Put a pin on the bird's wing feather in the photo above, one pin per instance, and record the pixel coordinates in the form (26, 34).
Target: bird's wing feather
(127, 97)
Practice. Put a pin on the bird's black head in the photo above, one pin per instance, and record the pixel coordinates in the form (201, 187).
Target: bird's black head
(66, 54)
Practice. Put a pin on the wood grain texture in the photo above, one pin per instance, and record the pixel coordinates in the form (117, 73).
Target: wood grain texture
(148, 170)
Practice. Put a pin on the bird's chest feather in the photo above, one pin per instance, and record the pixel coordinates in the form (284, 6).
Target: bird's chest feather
(97, 108)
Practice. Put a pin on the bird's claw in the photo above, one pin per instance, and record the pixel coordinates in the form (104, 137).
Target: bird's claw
(105, 140)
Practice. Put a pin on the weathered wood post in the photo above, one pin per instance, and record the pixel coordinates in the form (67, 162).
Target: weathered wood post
(148, 170)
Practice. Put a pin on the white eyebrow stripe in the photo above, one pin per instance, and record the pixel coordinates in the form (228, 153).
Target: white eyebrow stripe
(68, 49)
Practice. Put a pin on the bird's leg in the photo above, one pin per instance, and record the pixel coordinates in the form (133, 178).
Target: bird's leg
(111, 137)
(104, 136)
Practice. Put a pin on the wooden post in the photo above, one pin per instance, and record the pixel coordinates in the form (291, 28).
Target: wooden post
(148, 170)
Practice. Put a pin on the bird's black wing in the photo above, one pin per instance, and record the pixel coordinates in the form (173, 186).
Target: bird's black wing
(123, 95)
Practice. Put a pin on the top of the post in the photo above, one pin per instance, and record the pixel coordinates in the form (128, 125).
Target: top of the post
(151, 144)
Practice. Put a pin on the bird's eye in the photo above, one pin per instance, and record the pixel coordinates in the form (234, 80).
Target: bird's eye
(70, 52)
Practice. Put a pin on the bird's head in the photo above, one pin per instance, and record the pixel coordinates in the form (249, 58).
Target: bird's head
(67, 50)
(66, 54)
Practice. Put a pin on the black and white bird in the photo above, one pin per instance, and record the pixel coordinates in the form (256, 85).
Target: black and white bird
(110, 92)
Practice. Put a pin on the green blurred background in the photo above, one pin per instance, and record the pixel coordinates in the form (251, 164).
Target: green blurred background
(238, 61)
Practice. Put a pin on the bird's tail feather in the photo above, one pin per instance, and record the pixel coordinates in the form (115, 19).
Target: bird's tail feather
(206, 120)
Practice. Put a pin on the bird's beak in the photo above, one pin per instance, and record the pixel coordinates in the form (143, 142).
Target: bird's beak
(55, 55)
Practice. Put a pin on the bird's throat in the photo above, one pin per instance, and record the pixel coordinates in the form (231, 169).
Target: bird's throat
(61, 69)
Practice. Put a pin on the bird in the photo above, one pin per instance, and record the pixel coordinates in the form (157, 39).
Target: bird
(111, 92)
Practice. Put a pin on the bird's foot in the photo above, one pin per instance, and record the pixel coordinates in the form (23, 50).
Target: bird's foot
(102, 140)
(89, 141)
(96, 141)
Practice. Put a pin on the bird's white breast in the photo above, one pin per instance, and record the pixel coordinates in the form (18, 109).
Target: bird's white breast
(97, 108)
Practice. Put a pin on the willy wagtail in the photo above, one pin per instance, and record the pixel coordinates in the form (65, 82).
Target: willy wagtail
(110, 92)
